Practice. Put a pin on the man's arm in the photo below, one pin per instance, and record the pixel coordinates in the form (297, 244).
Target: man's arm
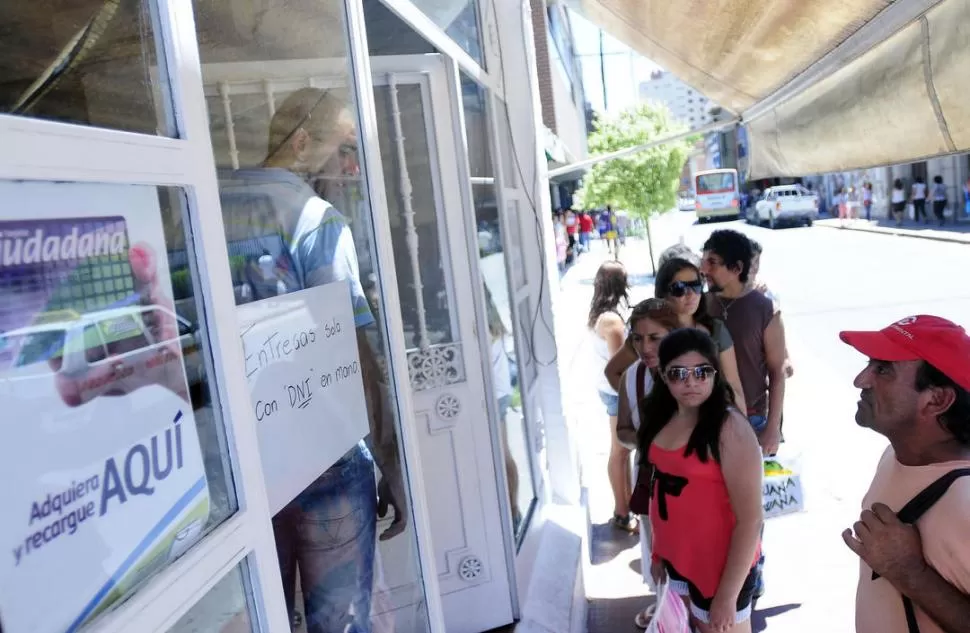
(775, 359)
(894, 550)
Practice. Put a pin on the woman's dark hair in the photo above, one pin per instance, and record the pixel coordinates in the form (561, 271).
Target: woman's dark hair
(938, 180)
(665, 277)
(956, 419)
(610, 289)
(756, 247)
(919, 179)
(656, 310)
(897, 184)
(658, 408)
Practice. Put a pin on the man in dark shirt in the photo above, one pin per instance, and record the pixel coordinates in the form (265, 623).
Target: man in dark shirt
(759, 338)
(755, 326)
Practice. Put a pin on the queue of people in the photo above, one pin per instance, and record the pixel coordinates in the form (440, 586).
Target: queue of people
(694, 384)
(575, 231)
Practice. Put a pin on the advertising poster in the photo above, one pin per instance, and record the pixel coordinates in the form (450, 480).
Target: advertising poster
(306, 385)
(97, 431)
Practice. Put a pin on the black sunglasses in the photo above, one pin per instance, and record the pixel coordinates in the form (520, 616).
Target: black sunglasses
(701, 373)
(680, 288)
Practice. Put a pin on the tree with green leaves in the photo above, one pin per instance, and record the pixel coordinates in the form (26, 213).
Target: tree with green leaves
(644, 183)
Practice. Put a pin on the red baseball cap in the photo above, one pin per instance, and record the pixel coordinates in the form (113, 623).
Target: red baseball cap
(939, 342)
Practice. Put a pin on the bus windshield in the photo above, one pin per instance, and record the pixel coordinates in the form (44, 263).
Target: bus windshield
(715, 183)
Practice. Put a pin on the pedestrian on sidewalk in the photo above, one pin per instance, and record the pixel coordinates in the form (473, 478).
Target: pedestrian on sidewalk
(867, 199)
(898, 201)
(966, 198)
(650, 322)
(628, 354)
(939, 198)
(681, 284)
(612, 233)
(758, 334)
(843, 206)
(562, 243)
(914, 573)
(585, 230)
(607, 325)
(918, 197)
(705, 504)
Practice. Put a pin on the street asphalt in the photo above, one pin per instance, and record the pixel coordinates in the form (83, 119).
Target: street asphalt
(827, 280)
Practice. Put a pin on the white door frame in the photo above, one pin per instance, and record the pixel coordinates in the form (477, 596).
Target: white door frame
(47, 150)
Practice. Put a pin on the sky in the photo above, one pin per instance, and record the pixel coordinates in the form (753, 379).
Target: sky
(624, 69)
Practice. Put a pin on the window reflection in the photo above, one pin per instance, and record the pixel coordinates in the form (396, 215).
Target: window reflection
(91, 62)
(285, 136)
(492, 244)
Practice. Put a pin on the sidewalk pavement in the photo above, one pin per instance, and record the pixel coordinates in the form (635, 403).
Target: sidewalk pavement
(957, 233)
(614, 587)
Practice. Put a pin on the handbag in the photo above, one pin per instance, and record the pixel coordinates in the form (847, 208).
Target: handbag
(640, 498)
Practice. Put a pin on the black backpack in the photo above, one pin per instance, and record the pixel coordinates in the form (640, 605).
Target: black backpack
(912, 511)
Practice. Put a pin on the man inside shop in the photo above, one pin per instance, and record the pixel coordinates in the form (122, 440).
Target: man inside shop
(328, 532)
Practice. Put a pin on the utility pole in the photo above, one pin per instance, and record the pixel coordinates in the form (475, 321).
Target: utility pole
(603, 71)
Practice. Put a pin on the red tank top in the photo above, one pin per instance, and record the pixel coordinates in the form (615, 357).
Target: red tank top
(691, 516)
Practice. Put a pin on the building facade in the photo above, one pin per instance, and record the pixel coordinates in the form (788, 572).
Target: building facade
(686, 105)
(277, 285)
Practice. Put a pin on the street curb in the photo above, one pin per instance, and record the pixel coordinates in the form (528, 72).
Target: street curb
(934, 238)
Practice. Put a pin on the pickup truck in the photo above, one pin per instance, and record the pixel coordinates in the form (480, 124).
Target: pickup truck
(791, 204)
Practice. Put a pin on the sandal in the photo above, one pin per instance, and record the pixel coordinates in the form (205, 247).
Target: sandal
(643, 618)
(629, 523)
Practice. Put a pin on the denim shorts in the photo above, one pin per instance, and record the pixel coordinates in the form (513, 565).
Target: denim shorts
(612, 402)
(758, 422)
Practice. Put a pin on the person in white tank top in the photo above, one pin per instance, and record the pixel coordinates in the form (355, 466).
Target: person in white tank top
(608, 332)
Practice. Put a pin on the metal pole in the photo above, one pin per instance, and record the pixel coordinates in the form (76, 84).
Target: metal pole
(603, 71)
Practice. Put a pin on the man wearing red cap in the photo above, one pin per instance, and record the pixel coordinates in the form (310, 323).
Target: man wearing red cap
(914, 534)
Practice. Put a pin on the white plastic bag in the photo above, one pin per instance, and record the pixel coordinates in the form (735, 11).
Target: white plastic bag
(671, 614)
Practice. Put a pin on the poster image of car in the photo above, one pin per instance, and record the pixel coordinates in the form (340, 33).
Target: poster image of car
(98, 432)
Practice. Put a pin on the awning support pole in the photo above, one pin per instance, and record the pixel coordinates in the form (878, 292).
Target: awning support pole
(589, 162)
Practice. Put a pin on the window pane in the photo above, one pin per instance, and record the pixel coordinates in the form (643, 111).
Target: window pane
(284, 125)
(459, 19)
(223, 609)
(506, 382)
(90, 62)
(119, 454)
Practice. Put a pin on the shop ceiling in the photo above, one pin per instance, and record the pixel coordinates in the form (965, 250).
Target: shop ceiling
(820, 85)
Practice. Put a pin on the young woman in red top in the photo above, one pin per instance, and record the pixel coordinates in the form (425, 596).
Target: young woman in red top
(705, 508)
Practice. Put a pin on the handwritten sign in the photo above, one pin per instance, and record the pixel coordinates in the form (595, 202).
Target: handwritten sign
(305, 383)
(781, 491)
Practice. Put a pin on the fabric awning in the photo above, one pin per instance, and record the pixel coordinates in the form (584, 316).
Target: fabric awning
(821, 85)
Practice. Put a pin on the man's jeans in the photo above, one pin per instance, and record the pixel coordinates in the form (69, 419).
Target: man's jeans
(758, 423)
(329, 531)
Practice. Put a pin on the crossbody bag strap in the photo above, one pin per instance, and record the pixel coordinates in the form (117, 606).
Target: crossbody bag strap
(912, 511)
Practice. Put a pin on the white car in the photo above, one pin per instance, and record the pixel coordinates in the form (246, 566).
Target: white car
(104, 350)
(686, 203)
(786, 204)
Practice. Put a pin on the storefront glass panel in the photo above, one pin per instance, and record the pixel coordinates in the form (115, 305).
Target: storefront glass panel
(224, 609)
(492, 245)
(303, 259)
(119, 454)
(89, 62)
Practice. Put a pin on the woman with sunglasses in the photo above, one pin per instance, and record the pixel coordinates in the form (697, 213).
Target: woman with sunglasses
(679, 282)
(705, 506)
(649, 323)
(608, 328)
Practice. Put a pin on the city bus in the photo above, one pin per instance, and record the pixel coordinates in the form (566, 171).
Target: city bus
(717, 194)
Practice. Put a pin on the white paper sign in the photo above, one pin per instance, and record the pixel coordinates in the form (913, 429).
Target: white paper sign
(305, 381)
(105, 482)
